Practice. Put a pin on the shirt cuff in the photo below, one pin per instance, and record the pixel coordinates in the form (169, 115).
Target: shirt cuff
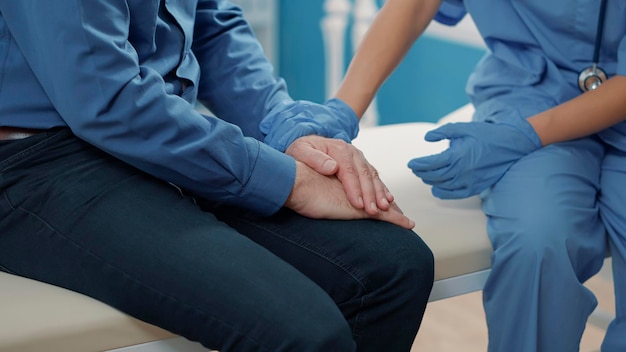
(271, 181)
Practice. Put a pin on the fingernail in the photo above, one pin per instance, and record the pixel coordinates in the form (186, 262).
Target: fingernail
(329, 165)
(373, 206)
(360, 201)
(385, 201)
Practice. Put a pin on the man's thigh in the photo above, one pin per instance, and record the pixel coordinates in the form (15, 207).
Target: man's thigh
(348, 259)
(75, 217)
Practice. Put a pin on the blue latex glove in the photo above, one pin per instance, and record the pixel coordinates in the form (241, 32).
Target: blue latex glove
(294, 119)
(479, 155)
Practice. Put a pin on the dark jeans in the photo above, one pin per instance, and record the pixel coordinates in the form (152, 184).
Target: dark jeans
(75, 217)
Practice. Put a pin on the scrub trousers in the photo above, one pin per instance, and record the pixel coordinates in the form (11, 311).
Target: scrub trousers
(72, 216)
(550, 219)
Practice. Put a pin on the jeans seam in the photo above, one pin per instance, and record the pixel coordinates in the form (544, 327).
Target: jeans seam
(357, 320)
(124, 274)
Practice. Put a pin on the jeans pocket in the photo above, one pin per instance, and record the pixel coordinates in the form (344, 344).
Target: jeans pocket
(14, 152)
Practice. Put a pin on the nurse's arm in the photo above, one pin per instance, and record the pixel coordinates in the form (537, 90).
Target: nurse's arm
(586, 114)
(396, 27)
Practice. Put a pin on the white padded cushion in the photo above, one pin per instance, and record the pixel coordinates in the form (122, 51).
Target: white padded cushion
(455, 230)
(462, 114)
(39, 317)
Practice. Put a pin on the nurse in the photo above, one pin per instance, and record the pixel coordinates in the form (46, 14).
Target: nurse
(546, 150)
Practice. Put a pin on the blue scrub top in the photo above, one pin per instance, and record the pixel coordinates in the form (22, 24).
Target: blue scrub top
(536, 50)
(124, 75)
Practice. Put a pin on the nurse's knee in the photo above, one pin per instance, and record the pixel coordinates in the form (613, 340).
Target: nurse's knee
(532, 233)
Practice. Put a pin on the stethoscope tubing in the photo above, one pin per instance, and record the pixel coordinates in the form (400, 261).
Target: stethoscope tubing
(599, 32)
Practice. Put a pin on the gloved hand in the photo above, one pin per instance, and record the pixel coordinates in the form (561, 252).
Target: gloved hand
(478, 156)
(294, 119)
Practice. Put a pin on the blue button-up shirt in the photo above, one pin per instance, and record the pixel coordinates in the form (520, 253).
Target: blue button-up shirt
(125, 75)
(537, 49)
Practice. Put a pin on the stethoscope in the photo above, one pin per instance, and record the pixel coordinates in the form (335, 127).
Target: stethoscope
(592, 77)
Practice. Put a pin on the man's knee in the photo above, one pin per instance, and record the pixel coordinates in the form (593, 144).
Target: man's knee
(407, 263)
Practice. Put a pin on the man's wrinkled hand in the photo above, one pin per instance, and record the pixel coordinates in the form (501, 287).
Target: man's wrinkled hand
(323, 197)
(360, 180)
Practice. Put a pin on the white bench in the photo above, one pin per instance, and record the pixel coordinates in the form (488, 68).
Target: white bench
(37, 317)
(455, 230)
